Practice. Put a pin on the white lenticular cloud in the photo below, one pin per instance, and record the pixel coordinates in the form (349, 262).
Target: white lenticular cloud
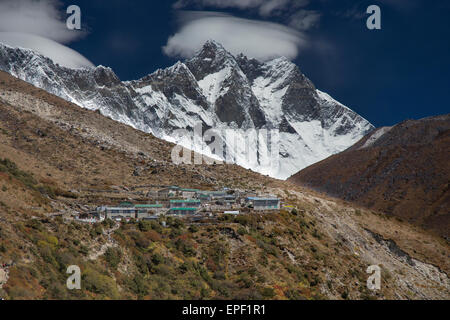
(264, 7)
(57, 52)
(256, 39)
(39, 25)
(39, 17)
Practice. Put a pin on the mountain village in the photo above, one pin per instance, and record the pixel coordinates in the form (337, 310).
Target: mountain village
(189, 204)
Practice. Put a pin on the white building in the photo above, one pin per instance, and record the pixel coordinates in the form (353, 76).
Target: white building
(264, 204)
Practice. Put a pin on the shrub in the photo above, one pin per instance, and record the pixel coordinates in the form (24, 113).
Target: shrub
(241, 231)
(163, 270)
(245, 280)
(98, 283)
(152, 236)
(52, 240)
(84, 250)
(268, 293)
(243, 220)
(144, 226)
(96, 230)
(294, 295)
(57, 291)
(177, 224)
(142, 264)
(142, 242)
(113, 257)
(186, 247)
(35, 224)
(157, 259)
(268, 248)
(138, 286)
(47, 253)
(47, 191)
(219, 275)
(184, 267)
(108, 223)
(193, 229)
(156, 226)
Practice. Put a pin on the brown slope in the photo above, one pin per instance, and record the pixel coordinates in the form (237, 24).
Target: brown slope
(405, 172)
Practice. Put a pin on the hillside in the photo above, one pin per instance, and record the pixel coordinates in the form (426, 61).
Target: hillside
(403, 171)
(57, 159)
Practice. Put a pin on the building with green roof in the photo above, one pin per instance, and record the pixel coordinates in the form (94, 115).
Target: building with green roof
(148, 206)
(190, 190)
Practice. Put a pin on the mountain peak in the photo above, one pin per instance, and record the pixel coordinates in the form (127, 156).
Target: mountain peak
(213, 44)
(212, 58)
(213, 51)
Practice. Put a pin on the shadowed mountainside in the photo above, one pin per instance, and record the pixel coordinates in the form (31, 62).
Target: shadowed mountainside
(402, 170)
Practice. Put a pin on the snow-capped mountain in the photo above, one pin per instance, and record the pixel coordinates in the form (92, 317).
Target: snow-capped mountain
(259, 111)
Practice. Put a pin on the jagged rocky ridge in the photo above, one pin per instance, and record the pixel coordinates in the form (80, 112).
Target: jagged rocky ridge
(234, 96)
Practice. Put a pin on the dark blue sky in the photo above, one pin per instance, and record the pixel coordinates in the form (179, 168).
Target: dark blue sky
(390, 75)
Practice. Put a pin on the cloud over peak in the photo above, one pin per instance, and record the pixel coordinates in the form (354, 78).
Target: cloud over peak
(57, 52)
(257, 39)
(40, 25)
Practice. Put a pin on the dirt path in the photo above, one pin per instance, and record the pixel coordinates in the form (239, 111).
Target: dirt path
(110, 243)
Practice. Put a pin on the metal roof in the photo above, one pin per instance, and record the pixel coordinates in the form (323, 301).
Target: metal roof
(263, 199)
(185, 201)
(148, 206)
(183, 209)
